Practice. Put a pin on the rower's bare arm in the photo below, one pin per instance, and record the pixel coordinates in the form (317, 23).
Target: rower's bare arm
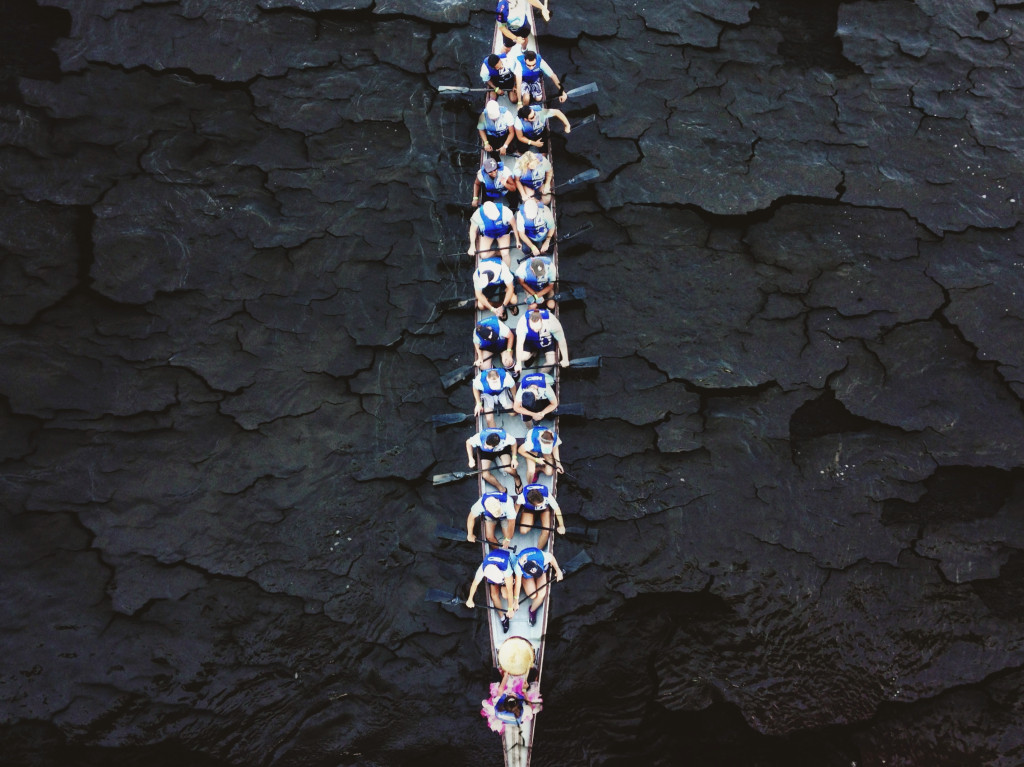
(472, 590)
(473, 231)
(469, 452)
(470, 524)
(565, 120)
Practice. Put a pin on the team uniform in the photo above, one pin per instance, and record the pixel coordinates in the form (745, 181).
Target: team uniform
(533, 130)
(534, 341)
(541, 387)
(534, 179)
(492, 278)
(503, 78)
(493, 227)
(513, 17)
(491, 335)
(508, 509)
(498, 397)
(496, 129)
(494, 188)
(549, 501)
(504, 447)
(533, 444)
(531, 562)
(532, 77)
(535, 229)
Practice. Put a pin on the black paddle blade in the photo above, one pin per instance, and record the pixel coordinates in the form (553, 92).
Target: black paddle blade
(450, 533)
(578, 561)
(457, 376)
(448, 419)
(442, 597)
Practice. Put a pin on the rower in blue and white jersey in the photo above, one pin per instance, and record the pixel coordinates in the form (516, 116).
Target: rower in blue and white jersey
(495, 127)
(534, 176)
(494, 389)
(493, 181)
(493, 222)
(496, 71)
(532, 123)
(492, 508)
(494, 446)
(531, 566)
(534, 506)
(514, 22)
(539, 333)
(537, 277)
(493, 337)
(535, 226)
(540, 449)
(530, 69)
(499, 572)
(535, 400)
(494, 287)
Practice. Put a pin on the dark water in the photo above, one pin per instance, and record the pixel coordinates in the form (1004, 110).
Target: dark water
(221, 248)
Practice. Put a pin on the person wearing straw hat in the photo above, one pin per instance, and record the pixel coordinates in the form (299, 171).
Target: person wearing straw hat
(493, 222)
(537, 332)
(497, 569)
(492, 337)
(513, 701)
(493, 507)
(531, 565)
(540, 449)
(493, 389)
(536, 501)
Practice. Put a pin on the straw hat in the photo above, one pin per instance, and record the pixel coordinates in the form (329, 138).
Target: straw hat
(515, 656)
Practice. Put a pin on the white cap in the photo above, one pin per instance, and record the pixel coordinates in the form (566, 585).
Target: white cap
(530, 208)
(492, 110)
(490, 210)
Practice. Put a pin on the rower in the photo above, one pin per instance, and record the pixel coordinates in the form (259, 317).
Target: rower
(535, 399)
(533, 176)
(530, 69)
(536, 227)
(492, 336)
(532, 122)
(514, 23)
(493, 181)
(490, 445)
(537, 333)
(493, 222)
(540, 449)
(495, 128)
(532, 565)
(493, 390)
(493, 507)
(498, 570)
(537, 503)
(496, 73)
(537, 277)
(494, 287)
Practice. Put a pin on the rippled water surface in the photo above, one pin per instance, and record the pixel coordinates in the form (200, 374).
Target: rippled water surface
(225, 230)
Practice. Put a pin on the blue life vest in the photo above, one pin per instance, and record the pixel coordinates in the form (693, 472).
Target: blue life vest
(499, 343)
(494, 227)
(533, 443)
(502, 382)
(491, 127)
(483, 437)
(503, 78)
(500, 558)
(501, 11)
(494, 189)
(533, 178)
(534, 129)
(534, 565)
(530, 75)
(534, 379)
(543, 491)
(535, 284)
(493, 265)
(534, 341)
(536, 228)
(502, 498)
(507, 716)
